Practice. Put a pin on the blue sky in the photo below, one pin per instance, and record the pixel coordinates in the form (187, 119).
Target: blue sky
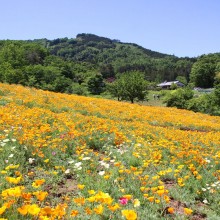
(179, 27)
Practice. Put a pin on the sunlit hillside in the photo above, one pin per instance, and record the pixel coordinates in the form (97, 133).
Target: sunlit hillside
(65, 157)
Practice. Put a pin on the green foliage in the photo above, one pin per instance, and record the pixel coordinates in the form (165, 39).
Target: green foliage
(115, 89)
(209, 103)
(203, 103)
(217, 95)
(96, 84)
(173, 86)
(129, 86)
(204, 70)
(107, 71)
(178, 98)
(79, 89)
(111, 56)
(182, 79)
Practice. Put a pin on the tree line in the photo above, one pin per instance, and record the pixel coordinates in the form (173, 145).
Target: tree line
(89, 64)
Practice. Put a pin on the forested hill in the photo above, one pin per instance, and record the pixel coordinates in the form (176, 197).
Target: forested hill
(62, 64)
(110, 56)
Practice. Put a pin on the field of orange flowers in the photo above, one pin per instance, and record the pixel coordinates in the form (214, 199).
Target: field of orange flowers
(74, 157)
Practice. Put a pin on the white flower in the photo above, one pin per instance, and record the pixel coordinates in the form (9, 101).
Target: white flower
(3, 144)
(31, 160)
(207, 160)
(205, 201)
(13, 148)
(13, 140)
(6, 140)
(101, 173)
(11, 155)
(106, 165)
(70, 162)
(204, 189)
(77, 165)
(86, 158)
(67, 171)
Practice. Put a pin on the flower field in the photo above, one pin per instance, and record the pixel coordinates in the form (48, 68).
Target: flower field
(73, 157)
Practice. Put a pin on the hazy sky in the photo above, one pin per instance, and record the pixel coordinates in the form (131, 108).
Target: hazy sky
(179, 27)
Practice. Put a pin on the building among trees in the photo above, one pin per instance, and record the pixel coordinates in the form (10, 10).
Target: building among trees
(168, 85)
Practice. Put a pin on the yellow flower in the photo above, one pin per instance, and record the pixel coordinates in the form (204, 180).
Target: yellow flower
(91, 199)
(12, 192)
(40, 195)
(34, 209)
(199, 177)
(150, 199)
(127, 196)
(3, 172)
(106, 177)
(145, 195)
(79, 201)
(160, 192)
(157, 201)
(23, 210)
(171, 210)
(166, 198)
(38, 183)
(44, 218)
(142, 188)
(74, 213)
(114, 207)
(46, 161)
(80, 186)
(136, 203)
(129, 214)
(91, 192)
(10, 167)
(188, 211)
(26, 196)
(99, 209)
(88, 211)
(2, 209)
(13, 180)
(59, 211)
(46, 211)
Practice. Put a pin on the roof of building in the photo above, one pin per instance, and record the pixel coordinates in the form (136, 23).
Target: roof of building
(170, 83)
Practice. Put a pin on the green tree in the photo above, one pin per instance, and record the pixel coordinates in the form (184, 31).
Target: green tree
(204, 70)
(96, 84)
(130, 86)
(115, 89)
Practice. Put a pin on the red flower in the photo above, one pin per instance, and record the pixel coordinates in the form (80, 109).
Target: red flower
(123, 201)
